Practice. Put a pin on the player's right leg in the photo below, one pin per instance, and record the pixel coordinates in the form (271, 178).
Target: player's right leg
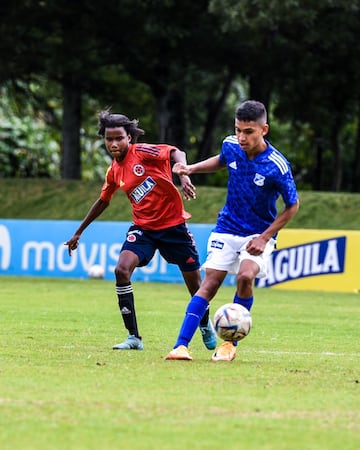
(208, 334)
(194, 312)
(136, 251)
(124, 291)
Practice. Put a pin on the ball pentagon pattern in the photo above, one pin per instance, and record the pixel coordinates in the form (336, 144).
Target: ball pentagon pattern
(232, 322)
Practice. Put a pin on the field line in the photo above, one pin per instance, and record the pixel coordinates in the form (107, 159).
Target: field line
(280, 352)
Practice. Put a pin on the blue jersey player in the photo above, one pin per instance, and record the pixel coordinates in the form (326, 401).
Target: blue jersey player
(247, 226)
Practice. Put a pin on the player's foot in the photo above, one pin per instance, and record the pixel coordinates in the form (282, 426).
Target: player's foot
(180, 353)
(208, 335)
(131, 343)
(226, 352)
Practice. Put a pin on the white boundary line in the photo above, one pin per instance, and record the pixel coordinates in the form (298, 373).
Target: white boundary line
(278, 352)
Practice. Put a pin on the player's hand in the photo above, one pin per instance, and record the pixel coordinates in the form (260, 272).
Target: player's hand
(72, 243)
(189, 190)
(180, 169)
(256, 246)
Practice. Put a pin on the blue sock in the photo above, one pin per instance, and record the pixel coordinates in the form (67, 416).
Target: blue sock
(194, 312)
(246, 302)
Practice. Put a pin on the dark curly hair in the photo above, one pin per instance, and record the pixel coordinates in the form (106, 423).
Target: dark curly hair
(108, 120)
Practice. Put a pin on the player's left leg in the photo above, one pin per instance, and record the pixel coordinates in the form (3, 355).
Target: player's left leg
(245, 282)
(244, 296)
(251, 267)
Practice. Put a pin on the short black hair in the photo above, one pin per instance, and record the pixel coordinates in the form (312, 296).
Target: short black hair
(108, 120)
(251, 110)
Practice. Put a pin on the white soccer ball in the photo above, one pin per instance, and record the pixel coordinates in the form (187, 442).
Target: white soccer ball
(96, 272)
(232, 322)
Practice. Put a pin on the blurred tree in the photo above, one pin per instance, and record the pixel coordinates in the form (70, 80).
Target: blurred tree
(322, 89)
(74, 44)
(55, 40)
(305, 56)
(186, 61)
(163, 44)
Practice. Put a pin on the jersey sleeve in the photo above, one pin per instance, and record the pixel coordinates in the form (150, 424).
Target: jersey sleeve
(152, 151)
(109, 187)
(288, 189)
(285, 183)
(227, 147)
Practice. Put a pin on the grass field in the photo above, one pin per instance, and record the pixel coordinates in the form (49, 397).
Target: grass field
(295, 383)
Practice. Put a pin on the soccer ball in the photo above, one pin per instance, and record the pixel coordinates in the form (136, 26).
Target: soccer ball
(232, 322)
(96, 272)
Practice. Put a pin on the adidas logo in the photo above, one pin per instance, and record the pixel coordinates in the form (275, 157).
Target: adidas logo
(233, 165)
(190, 260)
(125, 310)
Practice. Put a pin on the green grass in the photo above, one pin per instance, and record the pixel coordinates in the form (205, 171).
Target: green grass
(295, 383)
(70, 200)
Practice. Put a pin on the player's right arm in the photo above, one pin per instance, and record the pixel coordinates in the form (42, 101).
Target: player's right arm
(97, 208)
(209, 165)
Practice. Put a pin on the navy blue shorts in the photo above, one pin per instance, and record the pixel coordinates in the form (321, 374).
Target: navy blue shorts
(175, 244)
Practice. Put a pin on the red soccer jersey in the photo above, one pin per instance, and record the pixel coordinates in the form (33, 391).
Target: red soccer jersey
(145, 176)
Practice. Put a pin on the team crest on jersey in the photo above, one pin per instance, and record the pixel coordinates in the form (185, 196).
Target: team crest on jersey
(139, 170)
(259, 180)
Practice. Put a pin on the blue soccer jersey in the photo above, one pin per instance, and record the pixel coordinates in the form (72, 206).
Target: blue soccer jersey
(253, 188)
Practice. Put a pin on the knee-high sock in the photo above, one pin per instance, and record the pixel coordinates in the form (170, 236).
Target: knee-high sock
(127, 307)
(246, 302)
(205, 318)
(194, 312)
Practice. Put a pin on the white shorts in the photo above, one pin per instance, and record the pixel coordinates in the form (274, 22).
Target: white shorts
(226, 252)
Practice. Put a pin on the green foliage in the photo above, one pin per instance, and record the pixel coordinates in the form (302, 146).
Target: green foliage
(29, 147)
(30, 126)
(293, 385)
(27, 150)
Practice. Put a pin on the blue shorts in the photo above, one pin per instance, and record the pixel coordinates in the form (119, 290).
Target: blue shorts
(175, 244)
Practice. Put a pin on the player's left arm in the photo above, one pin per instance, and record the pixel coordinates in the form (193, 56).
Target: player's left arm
(189, 190)
(288, 192)
(282, 219)
(257, 245)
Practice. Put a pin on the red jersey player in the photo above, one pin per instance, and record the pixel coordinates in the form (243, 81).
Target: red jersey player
(143, 172)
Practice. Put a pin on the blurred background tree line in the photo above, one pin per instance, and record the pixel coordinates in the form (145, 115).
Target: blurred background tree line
(181, 68)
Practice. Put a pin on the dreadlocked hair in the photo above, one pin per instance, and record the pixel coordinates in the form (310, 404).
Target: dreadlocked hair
(108, 120)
